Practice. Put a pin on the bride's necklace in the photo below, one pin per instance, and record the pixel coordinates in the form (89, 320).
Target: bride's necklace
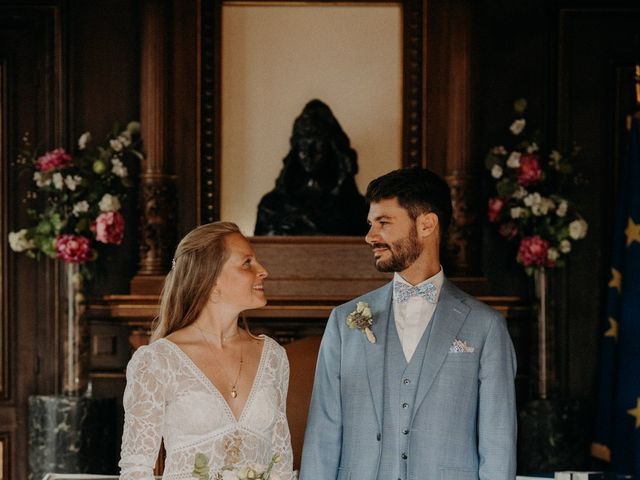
(234, 391)
(223, 337)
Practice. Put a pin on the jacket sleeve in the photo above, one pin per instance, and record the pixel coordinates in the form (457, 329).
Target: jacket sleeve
(497, 420)
(323, 436)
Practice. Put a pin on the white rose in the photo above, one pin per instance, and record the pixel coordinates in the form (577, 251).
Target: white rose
(116, 145)
(83, 140)
(553, 254)
(366, 312)
(41, 179)
(532, 148)
(109, 203)
(546, 204)
(578, 229)
(555, 159)
(532, 199)
(496, 171)
(72, 182)
(229, 475)
(517, 126)
(565, 246)
(520, 193)
(58, 181)
(118, 169)
(80, 207)
(125, 138)
(516, 212)
(514, 160)
(562, 209)
(19, 242)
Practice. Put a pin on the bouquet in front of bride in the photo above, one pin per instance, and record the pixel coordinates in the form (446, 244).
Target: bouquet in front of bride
(201, 470)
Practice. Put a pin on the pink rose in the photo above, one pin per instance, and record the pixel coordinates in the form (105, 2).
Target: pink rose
(73, 248)
(109, 227)
(533, 251)
(529, 171)
(508, 230)
(495, 207)
(57, 158)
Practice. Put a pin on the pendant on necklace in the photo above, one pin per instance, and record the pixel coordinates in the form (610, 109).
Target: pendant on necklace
(234, 393)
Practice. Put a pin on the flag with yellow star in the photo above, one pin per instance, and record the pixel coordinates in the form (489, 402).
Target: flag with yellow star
(617, 429)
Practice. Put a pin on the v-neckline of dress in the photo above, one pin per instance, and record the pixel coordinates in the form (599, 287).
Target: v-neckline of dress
(211, 386)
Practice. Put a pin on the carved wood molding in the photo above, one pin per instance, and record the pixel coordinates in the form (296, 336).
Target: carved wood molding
(413, 90)
(157, 187)
(157, 223)
(462, 247)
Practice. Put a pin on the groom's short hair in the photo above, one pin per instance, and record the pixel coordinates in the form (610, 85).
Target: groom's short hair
(418, 190)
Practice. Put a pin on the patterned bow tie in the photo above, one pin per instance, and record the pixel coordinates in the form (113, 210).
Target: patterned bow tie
(403, 292)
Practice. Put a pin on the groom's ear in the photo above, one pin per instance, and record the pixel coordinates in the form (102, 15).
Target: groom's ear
(427, 225)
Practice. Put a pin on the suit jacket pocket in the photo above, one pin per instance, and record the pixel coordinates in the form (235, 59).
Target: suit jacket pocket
(344, 473)
(447, 473)
(462, 357)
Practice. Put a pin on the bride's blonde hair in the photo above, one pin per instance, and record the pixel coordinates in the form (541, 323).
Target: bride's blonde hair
(196, 266)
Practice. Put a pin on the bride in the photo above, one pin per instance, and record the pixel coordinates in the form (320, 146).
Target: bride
(213, 392)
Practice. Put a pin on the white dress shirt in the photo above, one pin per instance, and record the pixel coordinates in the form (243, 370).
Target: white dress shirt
(413, 316)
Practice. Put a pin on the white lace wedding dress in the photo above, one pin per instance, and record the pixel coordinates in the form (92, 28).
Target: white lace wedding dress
(168, 397)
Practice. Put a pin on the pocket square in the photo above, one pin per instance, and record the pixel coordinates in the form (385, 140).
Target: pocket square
(461, 346)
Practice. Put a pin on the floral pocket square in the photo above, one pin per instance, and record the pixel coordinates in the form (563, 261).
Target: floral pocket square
(461, 346)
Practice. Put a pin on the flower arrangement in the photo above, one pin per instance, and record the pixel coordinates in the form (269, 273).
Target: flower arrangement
(77, 198)
(531, 205)
(362, 319)
(249, 472)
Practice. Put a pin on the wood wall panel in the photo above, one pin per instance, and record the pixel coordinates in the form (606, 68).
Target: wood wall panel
(31, 55)
(597, 43)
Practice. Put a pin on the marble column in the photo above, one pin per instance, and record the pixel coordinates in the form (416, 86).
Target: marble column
(71, 435)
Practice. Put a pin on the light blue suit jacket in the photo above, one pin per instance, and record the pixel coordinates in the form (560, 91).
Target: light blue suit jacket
(464, 419)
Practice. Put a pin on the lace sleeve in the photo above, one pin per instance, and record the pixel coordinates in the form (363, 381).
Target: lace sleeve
(144, 404)
(281, 440)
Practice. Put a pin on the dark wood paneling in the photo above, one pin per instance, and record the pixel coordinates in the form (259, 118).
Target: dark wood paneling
(594, 42)
(31, 53)
(103, 53)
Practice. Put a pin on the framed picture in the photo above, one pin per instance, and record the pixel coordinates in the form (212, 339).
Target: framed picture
(261, 62)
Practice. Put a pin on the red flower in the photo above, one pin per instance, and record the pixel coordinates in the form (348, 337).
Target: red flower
(529, 171)
(495, 208)
(57, 158)
(73, 248)
(508, 230)
(533, 251)
(109, 227)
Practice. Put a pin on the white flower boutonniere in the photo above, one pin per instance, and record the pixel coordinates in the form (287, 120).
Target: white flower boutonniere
(362, 319)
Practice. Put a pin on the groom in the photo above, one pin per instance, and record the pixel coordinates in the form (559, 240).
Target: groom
(417, 382)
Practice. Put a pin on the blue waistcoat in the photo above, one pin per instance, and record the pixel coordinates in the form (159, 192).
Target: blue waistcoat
(400, 385)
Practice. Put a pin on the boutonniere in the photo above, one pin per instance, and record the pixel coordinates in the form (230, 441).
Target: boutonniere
(362, 319)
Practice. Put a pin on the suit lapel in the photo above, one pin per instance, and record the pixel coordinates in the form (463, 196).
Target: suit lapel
(447, 320)
(382, 311)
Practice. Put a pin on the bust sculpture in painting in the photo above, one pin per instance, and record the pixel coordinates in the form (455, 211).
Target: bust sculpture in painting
(315, 192)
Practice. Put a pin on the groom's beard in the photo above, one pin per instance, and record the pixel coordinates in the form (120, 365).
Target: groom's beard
(403, 253)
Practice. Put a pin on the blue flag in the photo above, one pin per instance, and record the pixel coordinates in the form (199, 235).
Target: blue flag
(617, 429)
